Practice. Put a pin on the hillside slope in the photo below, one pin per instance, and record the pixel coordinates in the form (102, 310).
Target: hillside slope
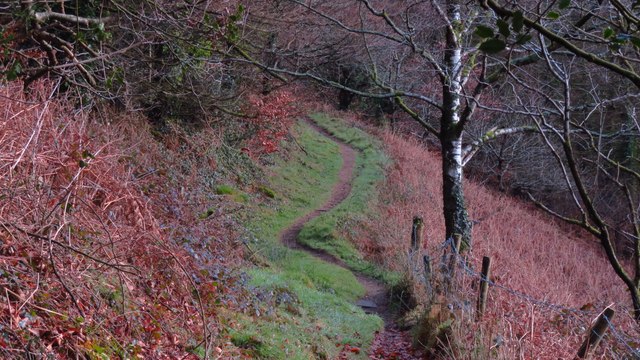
(550, 282)
(123, 240)
(120, 241)
(114, 242)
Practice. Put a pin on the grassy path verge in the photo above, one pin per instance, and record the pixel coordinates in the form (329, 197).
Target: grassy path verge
(306, 308)
(322, 233)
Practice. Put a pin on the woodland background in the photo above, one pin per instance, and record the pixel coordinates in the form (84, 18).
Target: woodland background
(138, 136)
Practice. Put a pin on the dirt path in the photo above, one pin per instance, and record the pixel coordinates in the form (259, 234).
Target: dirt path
(390, 343)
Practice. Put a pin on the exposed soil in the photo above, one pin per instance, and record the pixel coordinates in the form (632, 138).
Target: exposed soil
(390, 343)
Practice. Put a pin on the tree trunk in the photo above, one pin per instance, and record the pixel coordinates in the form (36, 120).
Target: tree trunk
(455, 213)
(635, 298)
(634, 291)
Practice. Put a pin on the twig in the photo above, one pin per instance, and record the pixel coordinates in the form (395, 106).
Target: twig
(113, 252)
(36, 306)
(6, 293)
(118, 267)
(64, 285)
(34, 134)
(205, 328)
(299, 145)
(32, 293)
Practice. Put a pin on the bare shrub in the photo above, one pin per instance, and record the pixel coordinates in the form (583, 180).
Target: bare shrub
(93, 255)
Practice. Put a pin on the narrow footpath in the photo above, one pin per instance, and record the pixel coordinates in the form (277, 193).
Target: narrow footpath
(390, 343)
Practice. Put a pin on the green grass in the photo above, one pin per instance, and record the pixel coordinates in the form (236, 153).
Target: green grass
(235, 194)
(322, 232)
(268, 192)
(312, 327)
(323, 314)
(225, 190)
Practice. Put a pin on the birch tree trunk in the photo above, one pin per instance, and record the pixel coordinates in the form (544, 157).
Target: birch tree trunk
(455, 212)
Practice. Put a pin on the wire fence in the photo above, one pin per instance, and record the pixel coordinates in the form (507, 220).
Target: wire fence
(622, 340)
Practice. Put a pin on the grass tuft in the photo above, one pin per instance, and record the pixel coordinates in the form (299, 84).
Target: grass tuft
(225, 190)
(267, 191)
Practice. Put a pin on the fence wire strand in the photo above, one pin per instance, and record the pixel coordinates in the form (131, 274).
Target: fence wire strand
(628, 342)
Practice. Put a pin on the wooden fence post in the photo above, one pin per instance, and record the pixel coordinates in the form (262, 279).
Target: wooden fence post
(427, 277)
(596, 332)
(484, 286)
(416, 234)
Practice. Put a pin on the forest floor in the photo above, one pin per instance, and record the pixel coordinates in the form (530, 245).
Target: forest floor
(391, 342)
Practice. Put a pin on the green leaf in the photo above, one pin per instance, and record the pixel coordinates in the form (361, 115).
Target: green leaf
(523, 39)
(493, 46)
(607, 33)
(517, 23)
(87, 154)
(82, 163)
(238, 14)
(14, 71)
(553, 15)
(104, 36)
(635, 41)
(484, 31)
(564, 4)
(503, 27)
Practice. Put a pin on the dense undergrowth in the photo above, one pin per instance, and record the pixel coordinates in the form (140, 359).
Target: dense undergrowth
(113, 242)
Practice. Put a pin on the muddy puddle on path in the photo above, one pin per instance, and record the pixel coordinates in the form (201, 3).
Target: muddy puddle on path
(390, 343)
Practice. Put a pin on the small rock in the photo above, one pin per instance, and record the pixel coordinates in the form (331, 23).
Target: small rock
(367, 304)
